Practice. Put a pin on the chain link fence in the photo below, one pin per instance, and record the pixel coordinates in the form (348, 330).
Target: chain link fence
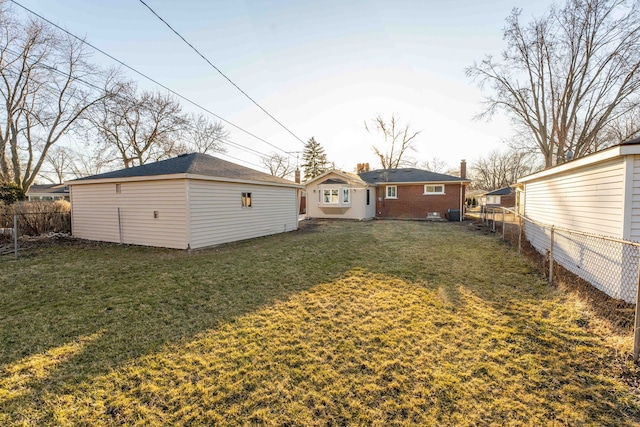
(602, 270)
(16, 228)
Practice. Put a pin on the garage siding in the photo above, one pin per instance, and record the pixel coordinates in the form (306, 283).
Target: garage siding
(95, 212)
(590, 199)
(217, 216)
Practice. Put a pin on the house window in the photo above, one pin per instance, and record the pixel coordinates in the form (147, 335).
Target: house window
(368, 195)
(433, 189)
(118, 189)
(392, 192)
(346, 196)
(246, 200)
(330, 196)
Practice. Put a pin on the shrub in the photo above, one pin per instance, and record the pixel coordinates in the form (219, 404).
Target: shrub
(37, 218)
(10, 192)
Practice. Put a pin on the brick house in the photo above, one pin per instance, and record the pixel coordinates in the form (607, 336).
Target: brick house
(387, 193)
(418, 194)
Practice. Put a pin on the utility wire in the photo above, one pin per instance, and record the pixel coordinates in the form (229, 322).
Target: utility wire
(147, 77)
(89, 84)
(218, 70)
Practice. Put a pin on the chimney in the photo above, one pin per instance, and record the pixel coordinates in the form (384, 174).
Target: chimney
(362, 167)
(297, 175)
(463, 169)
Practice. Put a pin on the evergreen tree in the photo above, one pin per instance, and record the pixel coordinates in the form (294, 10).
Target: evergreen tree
(314, 158)
(11, 192)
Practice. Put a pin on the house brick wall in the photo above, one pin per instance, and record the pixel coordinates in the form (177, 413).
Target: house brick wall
(413, 204)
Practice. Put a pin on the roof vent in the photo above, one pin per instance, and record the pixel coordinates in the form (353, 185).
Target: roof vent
(183, 154)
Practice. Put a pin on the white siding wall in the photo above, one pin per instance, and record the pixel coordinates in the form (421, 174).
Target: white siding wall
(635, 201)
(590, 199)
(358, 208)
(95, 212)
(216, 214)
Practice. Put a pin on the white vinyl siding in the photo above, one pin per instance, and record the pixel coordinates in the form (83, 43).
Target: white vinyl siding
(217, 216)
(95, 213)
(635, 201)
(589, 199)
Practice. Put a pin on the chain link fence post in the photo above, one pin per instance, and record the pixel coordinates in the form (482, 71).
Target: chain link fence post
(503, 225)
(636, 328)
(15, 235)
(551, 255)
(520, 222)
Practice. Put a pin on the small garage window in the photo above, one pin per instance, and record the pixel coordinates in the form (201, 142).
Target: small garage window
(246, 200)
(118, 189)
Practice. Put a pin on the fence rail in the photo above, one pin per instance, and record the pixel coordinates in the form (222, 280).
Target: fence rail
(610, 265)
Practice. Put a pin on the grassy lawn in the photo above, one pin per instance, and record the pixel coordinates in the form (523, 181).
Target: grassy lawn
(377, 323)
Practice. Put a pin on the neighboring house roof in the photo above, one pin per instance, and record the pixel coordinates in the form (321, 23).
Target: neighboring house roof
(55, 189)
(408, 175)
(500, 192)
(191, 164)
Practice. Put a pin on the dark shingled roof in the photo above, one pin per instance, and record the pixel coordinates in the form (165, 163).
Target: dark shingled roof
(406, 175)
(195, 164)
(333, 181)
(632, 141)
(49, 188)
(500, 192)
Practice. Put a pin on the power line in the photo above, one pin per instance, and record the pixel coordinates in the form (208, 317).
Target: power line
(191, 126)
(218, 70)
(147, 77)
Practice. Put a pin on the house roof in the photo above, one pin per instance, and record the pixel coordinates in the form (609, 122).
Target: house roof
(500, 192)
(48, 189)
(346, 178)
(632, 141)
(192, 164)
(408, 175)
(631, 147)
(333, 181)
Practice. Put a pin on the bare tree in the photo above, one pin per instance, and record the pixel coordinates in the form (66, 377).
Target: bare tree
(89, 162)
(279, 165)
(435, 165)
(205, 136)
(502, 168)
(566, 76)
(43, 90)
(60, 160)
(139, 128)
(398, 140)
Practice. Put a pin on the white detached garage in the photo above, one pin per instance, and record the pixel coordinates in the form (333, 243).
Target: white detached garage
(598, 194)
(188, 202)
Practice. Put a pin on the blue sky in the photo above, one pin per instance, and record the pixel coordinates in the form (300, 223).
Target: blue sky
(320, 67)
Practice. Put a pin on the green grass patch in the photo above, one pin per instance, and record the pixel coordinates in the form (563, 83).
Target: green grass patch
(377, 323)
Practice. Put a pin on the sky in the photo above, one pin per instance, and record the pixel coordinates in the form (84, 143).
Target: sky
(322, 68)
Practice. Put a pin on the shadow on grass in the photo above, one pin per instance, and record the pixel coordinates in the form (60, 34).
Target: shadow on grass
(386, 322)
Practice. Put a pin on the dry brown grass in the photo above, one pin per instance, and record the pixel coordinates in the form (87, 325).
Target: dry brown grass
(378, 323)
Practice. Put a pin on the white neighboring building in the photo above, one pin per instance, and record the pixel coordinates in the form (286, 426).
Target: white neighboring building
(188, 202)
(598, 194)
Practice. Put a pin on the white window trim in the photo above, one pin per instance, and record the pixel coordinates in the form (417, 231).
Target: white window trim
(346, 191)
(386, 191)
(431, 193)
(246, 201)
(330, 190)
